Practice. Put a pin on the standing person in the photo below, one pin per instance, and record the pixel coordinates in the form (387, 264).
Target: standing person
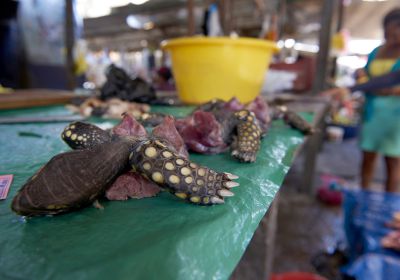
(380, 132)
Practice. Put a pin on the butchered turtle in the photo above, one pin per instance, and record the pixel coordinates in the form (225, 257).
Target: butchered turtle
(216, 126)
(74, 179)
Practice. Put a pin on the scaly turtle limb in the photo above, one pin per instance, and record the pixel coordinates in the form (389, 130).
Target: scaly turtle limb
(198, 184)
(295, 121)
(81, 135)
(246, 143)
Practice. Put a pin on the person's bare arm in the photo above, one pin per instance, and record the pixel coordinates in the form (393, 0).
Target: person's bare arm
(383, 86)
(385, 82)
(395, 91)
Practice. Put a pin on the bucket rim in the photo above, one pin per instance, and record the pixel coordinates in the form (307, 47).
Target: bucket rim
(246, 41)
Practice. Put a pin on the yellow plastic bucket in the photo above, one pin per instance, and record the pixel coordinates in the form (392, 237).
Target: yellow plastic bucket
(207, 68)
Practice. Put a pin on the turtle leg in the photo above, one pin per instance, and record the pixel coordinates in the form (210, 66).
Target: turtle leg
(80, 135)
(185, 179)
(297, 122)
(247, 141)
(293, 120)
(210, 106)
(151, 119)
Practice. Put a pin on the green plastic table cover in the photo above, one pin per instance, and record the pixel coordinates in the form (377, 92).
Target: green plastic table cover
(153, 238)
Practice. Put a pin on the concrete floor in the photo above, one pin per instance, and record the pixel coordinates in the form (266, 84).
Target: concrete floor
(306, 226)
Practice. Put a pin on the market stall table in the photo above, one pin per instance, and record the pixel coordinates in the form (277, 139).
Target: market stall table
(258, 260)
(153, 238)
(319, 107)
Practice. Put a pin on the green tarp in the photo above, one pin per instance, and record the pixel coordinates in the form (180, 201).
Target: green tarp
(153, 238)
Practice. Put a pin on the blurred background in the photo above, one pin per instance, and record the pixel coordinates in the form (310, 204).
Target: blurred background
(68, 44)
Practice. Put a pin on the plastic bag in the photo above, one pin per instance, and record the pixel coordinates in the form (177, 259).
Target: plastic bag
(375, 267)
(366, 214)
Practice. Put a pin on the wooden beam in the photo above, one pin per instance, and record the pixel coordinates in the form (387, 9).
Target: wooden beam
(324, 45)
(191, 20)
(35, 97)
(69, 43)
(340, 19)
(226, 16)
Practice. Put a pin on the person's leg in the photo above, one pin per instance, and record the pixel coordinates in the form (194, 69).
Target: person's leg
(393, 174)
(367, 168)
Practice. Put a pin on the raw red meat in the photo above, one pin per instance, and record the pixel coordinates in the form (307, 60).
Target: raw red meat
(260, 108)
(233, 105)
(202, 133)
(167, 131)
(129, 127)
(131, 185)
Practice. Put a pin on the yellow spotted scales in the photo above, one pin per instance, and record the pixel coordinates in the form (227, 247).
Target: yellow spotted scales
(247, 142)
(197, 184)
(80, 135)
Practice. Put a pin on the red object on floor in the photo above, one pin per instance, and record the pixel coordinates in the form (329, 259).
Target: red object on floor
(330, 197)
(297, 276)
(330, 190)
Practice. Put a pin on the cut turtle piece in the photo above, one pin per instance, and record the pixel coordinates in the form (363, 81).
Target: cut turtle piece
(72, 180)
(295, 121)
(216, 125)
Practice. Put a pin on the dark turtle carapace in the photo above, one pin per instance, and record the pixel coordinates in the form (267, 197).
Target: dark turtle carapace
(77, 178)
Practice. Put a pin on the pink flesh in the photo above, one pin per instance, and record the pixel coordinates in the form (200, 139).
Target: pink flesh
(129, 127)
(131, 185)
(166, 130)
(201, 133)
(260, 108)
(233, 105)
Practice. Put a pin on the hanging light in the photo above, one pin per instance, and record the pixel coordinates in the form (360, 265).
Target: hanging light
(118, 3)
(133, 22)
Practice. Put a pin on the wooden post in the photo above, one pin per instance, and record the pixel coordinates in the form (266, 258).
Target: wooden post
(340, 19)
(339, 26)
(324, 46)
(226, 16)
(69, 43)
(191, 22)
(258, 259)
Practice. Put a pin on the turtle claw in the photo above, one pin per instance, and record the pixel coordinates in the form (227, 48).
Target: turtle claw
(231, 184)
(225, 192)
(244, 156)
(216, 200)
(96, 204)
(231, 176)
